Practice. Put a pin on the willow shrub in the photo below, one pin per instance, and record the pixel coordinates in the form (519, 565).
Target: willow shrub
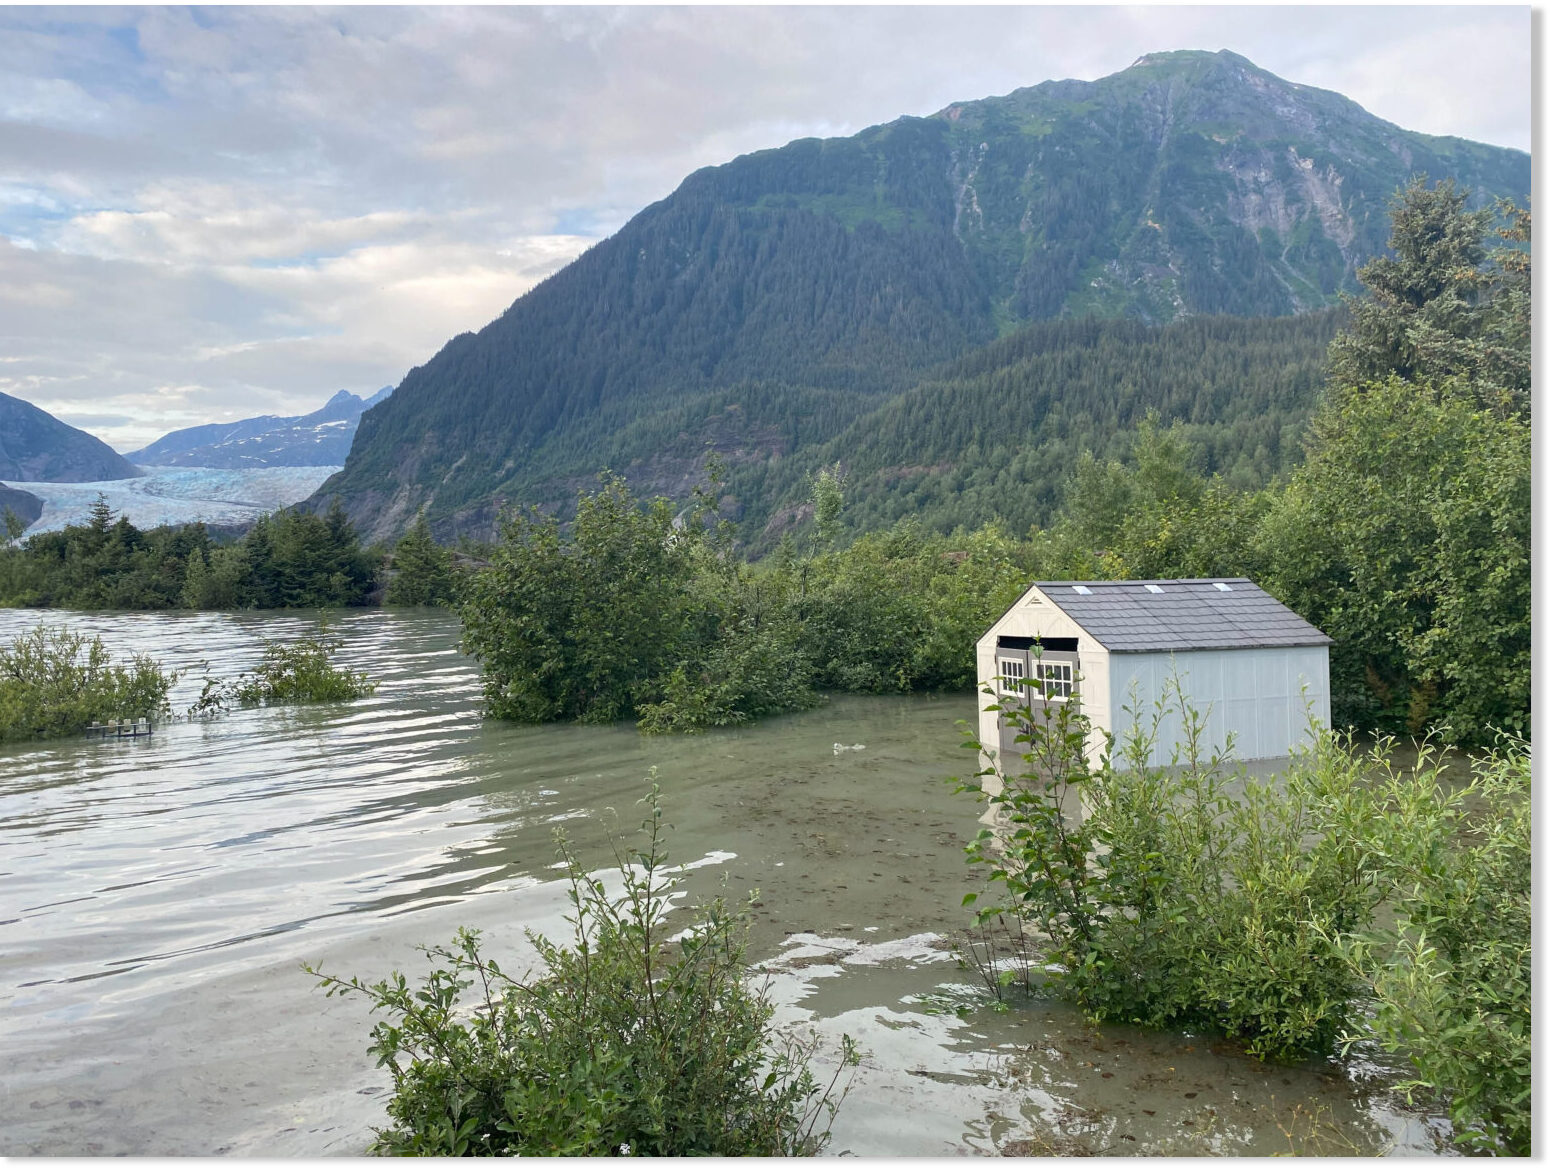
(1189, 895)
(54, 682)
(1194, 896)
(631, 1041)
(297, 672)
(1452, 977)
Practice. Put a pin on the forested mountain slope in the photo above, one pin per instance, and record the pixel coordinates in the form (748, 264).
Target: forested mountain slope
(810, 284)
(995, 435)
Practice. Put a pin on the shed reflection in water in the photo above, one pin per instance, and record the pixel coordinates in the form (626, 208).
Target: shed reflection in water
(157, 897)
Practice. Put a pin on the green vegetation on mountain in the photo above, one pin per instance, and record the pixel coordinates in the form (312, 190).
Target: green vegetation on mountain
(996, 434)
(810, 285)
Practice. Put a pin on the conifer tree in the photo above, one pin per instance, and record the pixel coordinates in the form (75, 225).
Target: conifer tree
(423, 572)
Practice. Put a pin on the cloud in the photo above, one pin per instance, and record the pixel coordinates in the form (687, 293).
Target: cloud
(210, 213)
(172, 345)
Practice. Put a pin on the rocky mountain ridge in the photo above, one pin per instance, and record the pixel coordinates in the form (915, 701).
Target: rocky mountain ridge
(319, 439)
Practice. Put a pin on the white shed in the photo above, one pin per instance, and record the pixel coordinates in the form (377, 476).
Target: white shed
(1253, 668)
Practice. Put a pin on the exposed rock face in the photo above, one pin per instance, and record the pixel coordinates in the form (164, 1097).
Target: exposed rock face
(830, 275)
(36, 447)
(1189, 183)
(319, 439)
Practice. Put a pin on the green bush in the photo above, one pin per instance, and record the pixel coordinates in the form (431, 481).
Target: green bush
(746, 674)
(1452, 978)
(631, 1041)
(574, 626)
(1188, 895)
(54, 682)
(296, 672)
(422, 572)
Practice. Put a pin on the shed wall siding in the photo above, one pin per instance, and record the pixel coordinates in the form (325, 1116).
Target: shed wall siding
(1262, 698)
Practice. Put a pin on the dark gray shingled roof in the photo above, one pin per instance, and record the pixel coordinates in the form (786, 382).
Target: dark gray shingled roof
(1186, 615)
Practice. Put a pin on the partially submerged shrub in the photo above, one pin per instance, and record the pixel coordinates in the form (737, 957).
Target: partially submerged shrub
(630, 1042)
(296, 672)
(422, 572)
(1188, 896)
(54, 682)
(1452, 978)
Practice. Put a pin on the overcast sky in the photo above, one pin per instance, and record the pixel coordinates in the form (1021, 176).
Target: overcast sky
(213, 213)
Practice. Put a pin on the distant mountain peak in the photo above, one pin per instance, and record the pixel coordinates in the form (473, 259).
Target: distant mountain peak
(319, 439)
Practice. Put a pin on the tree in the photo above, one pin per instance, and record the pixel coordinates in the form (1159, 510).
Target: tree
(1154, 517)
(1405, 533)
(1434, 311)
(101, 516)
(423, 573)
(1405, 537)
(828, 501)
(573, 627)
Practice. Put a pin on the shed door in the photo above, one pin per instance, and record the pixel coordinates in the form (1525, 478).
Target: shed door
(1040, 676)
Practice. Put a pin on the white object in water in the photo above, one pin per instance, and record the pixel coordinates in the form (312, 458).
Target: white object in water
(853, 747)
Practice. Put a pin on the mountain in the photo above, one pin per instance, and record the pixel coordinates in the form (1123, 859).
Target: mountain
(36, 447)
(811, 284)
(319, 439)
(26, 505)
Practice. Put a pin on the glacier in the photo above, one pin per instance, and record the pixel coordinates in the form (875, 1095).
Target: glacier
(179, 495)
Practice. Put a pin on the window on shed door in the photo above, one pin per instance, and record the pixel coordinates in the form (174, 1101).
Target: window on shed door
(1056, 680)
(1013, 672)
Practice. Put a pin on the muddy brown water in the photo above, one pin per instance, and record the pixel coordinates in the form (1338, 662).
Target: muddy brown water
(158, 897)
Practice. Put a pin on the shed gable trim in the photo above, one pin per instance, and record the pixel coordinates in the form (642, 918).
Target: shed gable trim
(1044, 599)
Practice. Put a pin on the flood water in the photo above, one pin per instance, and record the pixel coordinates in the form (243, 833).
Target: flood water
(158, 897)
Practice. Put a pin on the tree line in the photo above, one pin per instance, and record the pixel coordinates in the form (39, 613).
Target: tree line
(287, 560)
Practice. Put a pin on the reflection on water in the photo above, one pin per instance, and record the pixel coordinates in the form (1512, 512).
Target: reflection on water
(157, 897)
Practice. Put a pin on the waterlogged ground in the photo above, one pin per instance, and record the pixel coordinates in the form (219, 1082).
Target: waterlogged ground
(158, 896)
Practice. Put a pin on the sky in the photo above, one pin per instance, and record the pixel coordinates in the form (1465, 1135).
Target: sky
(208, 214)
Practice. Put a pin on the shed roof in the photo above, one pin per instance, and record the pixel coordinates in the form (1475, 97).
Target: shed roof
(1181, 614)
